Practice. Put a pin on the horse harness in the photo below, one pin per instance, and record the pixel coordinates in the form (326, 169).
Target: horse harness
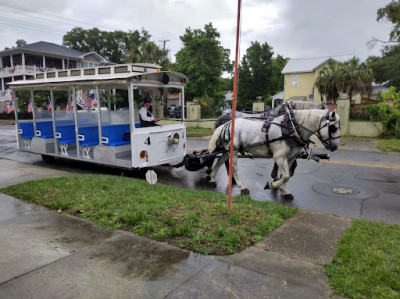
(291, 131)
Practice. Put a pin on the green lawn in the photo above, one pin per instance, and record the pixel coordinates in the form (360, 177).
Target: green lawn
(190, 219)
(367, 261)
(389, 145)
(198, 132)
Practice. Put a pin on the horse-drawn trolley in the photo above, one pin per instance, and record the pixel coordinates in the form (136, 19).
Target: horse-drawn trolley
(75, 115)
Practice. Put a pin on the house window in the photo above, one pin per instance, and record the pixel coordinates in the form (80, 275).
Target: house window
(89, 64)
(294, 80)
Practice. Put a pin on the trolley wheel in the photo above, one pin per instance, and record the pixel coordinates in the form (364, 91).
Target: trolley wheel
(47, 159)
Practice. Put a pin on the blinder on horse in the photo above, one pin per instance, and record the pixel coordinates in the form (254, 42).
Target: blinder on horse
(333, 127)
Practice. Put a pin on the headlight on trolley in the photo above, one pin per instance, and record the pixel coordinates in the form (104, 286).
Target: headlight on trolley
(173, 139)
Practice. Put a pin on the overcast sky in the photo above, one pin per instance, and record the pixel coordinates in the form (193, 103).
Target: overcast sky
(293, 28)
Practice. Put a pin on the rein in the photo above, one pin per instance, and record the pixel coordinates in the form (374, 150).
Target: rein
(327, 142)
(292, 124)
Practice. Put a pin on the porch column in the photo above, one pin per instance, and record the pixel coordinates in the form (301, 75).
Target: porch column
(23, 59)
(63, 64)
(11, 61)
(44, 61)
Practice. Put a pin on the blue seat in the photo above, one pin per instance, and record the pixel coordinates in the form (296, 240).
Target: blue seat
(114, 135)
(27, 131)
(44, 129)
(88, 136)
(66, 134)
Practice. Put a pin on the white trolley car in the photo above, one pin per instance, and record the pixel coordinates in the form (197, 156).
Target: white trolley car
(102, 135)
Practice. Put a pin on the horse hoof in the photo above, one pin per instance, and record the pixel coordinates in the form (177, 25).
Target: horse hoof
(266, 186)
(288, 196)
(212, 184)
(244, 192)
(208, 171)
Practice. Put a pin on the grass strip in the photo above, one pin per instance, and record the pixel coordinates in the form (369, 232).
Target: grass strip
(190, 219)
(389, 145)
(366, 263)
(198, 132)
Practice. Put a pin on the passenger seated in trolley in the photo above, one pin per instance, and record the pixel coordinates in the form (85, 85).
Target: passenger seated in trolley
(146, 118)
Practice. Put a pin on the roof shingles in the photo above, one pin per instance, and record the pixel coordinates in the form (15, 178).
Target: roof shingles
(304, 65)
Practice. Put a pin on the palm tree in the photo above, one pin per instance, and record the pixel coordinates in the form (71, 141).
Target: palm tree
(355, 78)
(348, 78)
(327, 81)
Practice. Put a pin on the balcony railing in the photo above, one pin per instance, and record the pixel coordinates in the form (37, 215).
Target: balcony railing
(17, 71)
(22, 70)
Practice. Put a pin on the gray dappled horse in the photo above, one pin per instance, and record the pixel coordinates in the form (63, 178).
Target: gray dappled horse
(250, 138)
(275, 112)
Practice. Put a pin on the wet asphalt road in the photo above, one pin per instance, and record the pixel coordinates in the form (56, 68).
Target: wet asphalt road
(352, 184)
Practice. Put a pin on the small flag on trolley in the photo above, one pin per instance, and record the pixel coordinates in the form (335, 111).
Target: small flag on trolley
(91, 101)
(30, 106)
(10, 108)
(70, 105)
(49, 105)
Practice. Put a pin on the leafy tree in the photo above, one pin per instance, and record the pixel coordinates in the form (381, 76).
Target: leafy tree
(20, 43)
(203, 60)
(349, 77)
(117, 46)
(391, 13)
(387, 67)
(260, 74)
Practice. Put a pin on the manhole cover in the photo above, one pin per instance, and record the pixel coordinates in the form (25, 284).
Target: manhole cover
(344, 190)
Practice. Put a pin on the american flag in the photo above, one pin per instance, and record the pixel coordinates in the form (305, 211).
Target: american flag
(68, 106)
(30, 106)
(10, 107)
(91, 101)
(49, 105)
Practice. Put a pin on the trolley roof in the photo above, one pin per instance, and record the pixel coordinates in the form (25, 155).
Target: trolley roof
(120, 74)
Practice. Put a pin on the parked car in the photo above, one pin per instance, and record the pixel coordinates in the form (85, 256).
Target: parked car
(177, 113)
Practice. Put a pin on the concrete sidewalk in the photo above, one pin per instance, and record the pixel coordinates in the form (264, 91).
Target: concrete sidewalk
(50, 255)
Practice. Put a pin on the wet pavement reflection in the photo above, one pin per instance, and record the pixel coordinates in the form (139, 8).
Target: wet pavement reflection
(315, 186)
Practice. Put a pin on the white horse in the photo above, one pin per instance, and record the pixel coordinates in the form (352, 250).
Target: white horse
(251, 139)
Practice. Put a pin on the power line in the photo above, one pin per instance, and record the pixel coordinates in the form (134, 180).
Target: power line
(57, 17)
(18, 22)
(30, 28)
(45, 19)
(18, 10)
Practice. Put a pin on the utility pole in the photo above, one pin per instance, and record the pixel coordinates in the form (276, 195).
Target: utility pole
(164, 41)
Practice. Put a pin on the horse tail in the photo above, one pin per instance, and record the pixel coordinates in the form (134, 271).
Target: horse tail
(221, 135)
(212, 144)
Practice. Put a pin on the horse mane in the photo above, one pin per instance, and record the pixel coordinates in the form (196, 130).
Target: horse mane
(310, 116)
(307, 105)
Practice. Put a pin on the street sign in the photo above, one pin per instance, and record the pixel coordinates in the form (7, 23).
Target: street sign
(151, 177)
